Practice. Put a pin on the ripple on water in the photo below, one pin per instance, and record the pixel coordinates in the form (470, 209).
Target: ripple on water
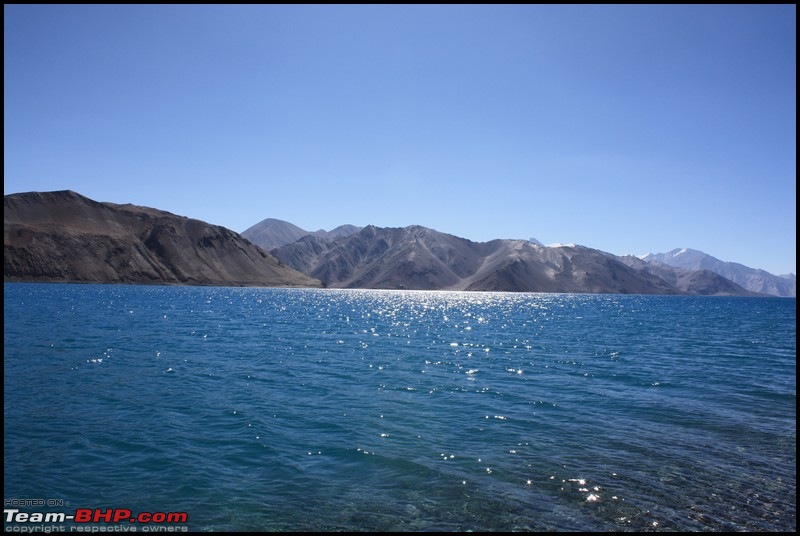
(413, 411)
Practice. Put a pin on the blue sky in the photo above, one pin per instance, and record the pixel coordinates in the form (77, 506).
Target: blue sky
(624, 128)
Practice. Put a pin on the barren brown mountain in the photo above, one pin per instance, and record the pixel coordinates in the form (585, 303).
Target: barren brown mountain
(419, 258)
(66, 237)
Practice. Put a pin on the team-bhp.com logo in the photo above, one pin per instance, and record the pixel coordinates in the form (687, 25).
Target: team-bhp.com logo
(94, 520)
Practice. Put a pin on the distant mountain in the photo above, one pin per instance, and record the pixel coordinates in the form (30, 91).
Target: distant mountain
(750, 278)
(416, 257)
(700, 282)
(66, 237)
(339, 232)
(271, 233)
(412, 258)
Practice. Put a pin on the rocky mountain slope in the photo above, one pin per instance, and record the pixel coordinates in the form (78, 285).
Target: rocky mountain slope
(272, 233)
(63, 236)
(420, 258)
(66, 237)
(750, 278)
(700, 282)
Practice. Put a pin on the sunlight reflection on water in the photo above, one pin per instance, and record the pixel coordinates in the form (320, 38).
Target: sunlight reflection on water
(404, 410)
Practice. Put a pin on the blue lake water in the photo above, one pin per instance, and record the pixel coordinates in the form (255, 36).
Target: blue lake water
(346, 410)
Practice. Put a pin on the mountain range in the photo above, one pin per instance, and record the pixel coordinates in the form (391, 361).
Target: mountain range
(310, 253)
(63, 236)
(419, 258)
(66, 237)
(271, 233)
(749, 278)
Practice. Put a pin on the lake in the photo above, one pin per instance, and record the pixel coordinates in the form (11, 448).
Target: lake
(347, 410)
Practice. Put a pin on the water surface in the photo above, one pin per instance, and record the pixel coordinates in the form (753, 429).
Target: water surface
(346, 410)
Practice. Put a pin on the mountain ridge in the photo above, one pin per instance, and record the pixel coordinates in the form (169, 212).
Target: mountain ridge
(420, 258)
(63, 236)
(271, 233)
(753, 279)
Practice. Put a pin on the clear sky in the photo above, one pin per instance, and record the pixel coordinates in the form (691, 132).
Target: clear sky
(630, 129)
